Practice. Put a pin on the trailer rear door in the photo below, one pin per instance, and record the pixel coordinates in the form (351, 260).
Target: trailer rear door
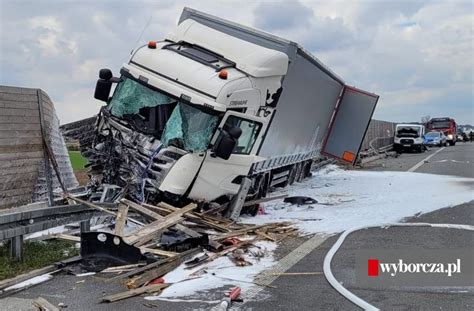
(349, 124)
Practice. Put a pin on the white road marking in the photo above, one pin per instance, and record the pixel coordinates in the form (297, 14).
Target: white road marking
(284, 264)
(419, 164)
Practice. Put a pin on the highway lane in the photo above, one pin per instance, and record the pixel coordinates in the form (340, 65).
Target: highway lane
(455, 160)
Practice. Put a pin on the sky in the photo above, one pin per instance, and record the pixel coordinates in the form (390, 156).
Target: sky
(417, 55)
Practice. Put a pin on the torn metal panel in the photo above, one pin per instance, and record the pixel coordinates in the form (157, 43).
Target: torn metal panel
(128, 158)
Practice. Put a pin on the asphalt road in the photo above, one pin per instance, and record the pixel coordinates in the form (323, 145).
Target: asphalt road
(455, 160)
(314, 292)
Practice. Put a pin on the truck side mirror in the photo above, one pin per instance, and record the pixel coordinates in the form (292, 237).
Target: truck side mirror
(227, 143)
(104, 84)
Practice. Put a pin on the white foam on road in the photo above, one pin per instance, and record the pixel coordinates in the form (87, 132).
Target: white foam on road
(350, 198)
(219, 273)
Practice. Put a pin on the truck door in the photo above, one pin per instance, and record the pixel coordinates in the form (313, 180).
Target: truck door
(218, 176)
(349, 124)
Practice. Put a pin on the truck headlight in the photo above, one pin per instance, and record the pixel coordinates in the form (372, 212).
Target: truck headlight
(450, 136)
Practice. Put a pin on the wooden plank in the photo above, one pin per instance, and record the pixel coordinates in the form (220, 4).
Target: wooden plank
(239, 232)
(121, 219)
(158, 252)
(149, 231)
(19, 112)
(153, 274)
(155, 216)
(44, 305)
(66, 237)
(155, 264)
(135, 292)
(23, 277)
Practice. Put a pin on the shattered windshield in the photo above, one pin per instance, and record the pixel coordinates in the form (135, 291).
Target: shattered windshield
(189, 128)
(130, 96)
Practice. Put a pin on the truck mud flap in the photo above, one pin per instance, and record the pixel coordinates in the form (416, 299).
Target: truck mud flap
(100, 250)
(349, 124)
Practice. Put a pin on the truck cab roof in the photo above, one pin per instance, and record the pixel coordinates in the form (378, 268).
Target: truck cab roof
(252, 59)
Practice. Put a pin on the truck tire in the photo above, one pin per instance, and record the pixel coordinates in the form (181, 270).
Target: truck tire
(452, 143)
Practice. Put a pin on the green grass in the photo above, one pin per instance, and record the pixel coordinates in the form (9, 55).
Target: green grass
(77, 160)
(36, 255)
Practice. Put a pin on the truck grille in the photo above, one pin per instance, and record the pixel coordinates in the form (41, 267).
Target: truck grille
(406, 141)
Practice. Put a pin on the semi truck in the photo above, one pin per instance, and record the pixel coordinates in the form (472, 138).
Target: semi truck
(216, 104)
(447, 126)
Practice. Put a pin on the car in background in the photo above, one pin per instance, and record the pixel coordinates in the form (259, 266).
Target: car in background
(435, 139)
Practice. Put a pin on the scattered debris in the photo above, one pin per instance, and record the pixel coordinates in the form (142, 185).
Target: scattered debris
(155, 288)
(44, 305)
(300, 200)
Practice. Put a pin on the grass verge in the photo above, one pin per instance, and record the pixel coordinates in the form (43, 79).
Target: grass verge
(36, 254)
(77, 160)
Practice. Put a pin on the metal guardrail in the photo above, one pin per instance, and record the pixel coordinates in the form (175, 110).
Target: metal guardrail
(23, 220)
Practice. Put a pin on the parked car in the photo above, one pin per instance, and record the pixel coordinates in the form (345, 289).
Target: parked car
(435, 139)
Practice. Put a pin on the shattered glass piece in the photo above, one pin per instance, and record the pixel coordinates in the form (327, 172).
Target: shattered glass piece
(189, 128)
(130, 96)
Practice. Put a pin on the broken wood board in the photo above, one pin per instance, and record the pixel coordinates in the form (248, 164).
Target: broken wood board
(155, 264)
(155, 216)
(135, 292)
(121, 219)
(157, 251)
(44, 305)
(26, 276)
(153, 274)
(150, 231)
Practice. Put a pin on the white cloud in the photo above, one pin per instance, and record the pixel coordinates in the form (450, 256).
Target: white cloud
(415, 54)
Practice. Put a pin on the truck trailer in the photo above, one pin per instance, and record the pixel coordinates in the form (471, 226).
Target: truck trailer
(215, 105)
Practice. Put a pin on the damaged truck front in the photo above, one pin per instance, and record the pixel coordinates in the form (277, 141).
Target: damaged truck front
(216, 104)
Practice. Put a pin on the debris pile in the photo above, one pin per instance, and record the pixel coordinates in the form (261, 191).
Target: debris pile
(166, 238)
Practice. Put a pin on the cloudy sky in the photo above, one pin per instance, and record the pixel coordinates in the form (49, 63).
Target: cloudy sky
(418, 55)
